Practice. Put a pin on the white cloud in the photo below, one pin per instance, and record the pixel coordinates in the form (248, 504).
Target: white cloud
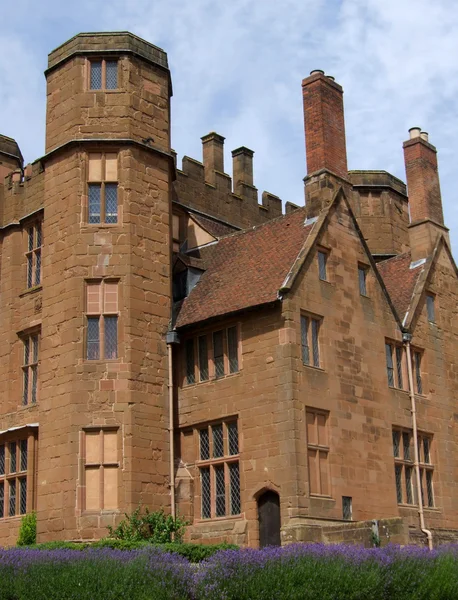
(237, 68)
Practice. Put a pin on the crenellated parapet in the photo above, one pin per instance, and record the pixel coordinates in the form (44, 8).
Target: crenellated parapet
(206, 187)
(22, 194)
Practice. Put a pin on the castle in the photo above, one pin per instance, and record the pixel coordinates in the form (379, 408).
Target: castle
(169, 340)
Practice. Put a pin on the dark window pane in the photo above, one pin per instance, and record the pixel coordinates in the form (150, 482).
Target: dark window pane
(204, 444)
(93, 338)
(430, 308)
(399, 366)
(22, 496)
(205, 491)
(2, 499)
(220, 491)
(13, 457)
(111, 337)
(218, 444)
(2, 459)
(429, 487)
(232, 345)
(417, 360)
(389, 364)
(34, 370)
(111, 203)
(35, 348)
(409, 493)
(30, 238)
(315, 347)
(218, 353)
(362, 273)
(25, 392)
(203, 358)
(37, 267)
(96, 75)
(322, 259)
(112, 74)
(406, 444)
(233, 438)
(30, 270)
(12, 506)
(234, 476)
(94, 202)
(426, 450)
(304, 340)
(190, 362)
(398, 477)
(347, 508)
(396, 443)
(39, 236)
(23, 447)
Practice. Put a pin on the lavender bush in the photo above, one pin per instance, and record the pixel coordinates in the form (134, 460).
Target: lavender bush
(296, 572)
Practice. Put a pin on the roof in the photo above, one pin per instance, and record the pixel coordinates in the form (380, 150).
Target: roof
(212, 226)
(246, 269)
(400, 280)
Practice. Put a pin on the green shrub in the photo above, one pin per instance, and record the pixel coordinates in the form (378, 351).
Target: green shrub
(155, 527)
(196, 552)
(28, 530)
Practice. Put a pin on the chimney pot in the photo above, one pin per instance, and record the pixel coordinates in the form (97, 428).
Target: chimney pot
(331, 77)
(414, 132)
(424, 135)
(316, 71)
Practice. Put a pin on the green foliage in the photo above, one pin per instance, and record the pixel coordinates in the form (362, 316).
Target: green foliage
(195, 553)
(155, 527)
(28, 530)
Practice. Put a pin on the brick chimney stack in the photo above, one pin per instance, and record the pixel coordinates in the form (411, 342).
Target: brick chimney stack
(324, 124)
(324, 140)
(213, 155)
(425, 203)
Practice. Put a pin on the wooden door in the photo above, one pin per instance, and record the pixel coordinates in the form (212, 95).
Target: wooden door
(269, 519)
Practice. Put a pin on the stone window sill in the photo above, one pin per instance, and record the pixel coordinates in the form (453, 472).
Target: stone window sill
(219, 519)
(314, 368)
(322, 497)
(32, 290)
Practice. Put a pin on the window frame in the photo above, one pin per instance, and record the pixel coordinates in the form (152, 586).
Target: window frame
(103, 60)
(100, 466)
(430, 302)
(310, 340)
(321, 482)
(30, 339)
(24, 471)
(106, 182)
(102, 317)
(33, 253)
(205, 371)
(228, 464)
(406, 490)
(322, 260)
(396, 365)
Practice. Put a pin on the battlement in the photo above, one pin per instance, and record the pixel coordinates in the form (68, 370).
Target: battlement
(21, 194)
(206, 187)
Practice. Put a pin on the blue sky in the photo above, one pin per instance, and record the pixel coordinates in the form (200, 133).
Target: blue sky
(237, 67)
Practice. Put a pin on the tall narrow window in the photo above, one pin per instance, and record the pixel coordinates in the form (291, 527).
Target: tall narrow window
(322, 265)
(33, 254)
(399, 353)
(430, 308)
(190, 372)
(404, 467)
(103, 74)
(101, 468)
(232, 349)
(102, 320)
(30, 369)
(417, 366)
(318, 451)
(389, 364)
(310, 341)
(16, 483)
(219, 470)
(426, 469)
(103, 188)
(394, 354)
(362, 277)
(347, 508)
(203, 358)
(218, 353)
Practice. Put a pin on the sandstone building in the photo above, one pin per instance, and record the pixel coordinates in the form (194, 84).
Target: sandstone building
(169, 340)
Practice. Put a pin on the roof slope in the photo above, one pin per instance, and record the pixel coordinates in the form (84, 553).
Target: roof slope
(400, 280)
(212, 226)
(246, 269)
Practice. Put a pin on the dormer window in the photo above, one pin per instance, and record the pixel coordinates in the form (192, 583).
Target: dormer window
(103, 74)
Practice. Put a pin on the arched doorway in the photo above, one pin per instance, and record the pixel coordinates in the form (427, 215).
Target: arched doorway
(269, 519)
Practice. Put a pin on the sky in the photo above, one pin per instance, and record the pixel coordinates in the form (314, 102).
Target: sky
(237, 67)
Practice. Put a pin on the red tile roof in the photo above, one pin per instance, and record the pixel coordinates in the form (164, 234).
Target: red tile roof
(246, 269)
(400, 280)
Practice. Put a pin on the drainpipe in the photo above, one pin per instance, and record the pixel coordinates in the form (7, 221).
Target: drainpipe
(407, 338)
(171, 338)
